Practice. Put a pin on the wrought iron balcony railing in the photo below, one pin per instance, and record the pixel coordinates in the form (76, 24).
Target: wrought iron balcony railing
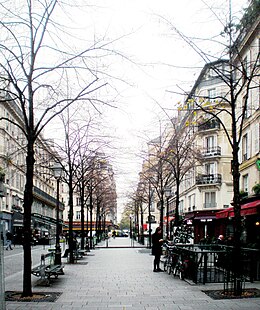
(212, 151)
(210, 124)
(204, 179)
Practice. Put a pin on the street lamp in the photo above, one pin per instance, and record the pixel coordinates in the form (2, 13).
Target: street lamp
(131, 230)
(168, 193)
(57, 172)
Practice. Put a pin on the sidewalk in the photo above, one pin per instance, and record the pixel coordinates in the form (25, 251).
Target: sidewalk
(122, 278)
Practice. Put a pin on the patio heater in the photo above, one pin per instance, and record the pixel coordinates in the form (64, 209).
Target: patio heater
(168, 194)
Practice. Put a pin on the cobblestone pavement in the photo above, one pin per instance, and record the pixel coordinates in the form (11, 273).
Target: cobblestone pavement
(122, 278)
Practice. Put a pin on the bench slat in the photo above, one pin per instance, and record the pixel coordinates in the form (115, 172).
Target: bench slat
(49, 269)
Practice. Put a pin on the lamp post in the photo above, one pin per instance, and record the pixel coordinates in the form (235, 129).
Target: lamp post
(168, 193)
(57, 172)
(131, 230)
(2, 278)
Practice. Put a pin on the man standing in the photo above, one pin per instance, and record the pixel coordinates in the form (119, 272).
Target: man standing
(9, 238)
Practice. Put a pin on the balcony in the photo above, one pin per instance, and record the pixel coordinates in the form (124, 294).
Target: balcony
(206, 179)
(210, 205)
(209, 125)
(212, 152)
(42, 196)
(17, 208)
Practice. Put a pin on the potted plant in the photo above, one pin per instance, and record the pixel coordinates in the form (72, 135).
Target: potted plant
(256, 189)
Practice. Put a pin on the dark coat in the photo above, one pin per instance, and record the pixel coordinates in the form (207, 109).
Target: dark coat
(9, 236)
(156, 244)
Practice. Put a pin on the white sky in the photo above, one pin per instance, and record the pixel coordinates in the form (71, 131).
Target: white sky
(167, 64)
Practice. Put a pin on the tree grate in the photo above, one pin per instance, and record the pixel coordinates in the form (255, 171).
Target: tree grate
(220, 294)
(36, 297)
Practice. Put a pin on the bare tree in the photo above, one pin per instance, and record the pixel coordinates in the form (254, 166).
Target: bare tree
(240, 76)
(155, 171)
(36, 70)
(181, 156)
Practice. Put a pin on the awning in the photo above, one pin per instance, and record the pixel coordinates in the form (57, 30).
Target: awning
(249, 208)
(17, 219)
(170, 218)
(224, 213)
(201, 215)
(205, 217)
(45, 219)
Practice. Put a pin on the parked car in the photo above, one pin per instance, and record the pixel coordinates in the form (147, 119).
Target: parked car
(121, 233)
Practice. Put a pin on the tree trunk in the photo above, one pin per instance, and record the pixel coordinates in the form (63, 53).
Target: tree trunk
(28, 201)
(177, 216)
(236, 255)
(71, 257)
(82, 245)
(91, 219)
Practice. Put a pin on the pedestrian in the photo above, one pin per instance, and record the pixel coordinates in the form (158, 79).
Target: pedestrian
(67, 237)
(75, 246)
(114, 234)
(157, 249)
(2, 238)
(9, 238)
(221, 240)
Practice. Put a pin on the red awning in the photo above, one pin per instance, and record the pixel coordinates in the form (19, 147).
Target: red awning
(170, 218)
(205, 217)
(224, 213)
(249, 208)
(145, 226)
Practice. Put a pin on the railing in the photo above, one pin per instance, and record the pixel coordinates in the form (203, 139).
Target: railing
(212, 151)
(44, 196)
(210, 263)
(208, 179)
(210, 124)
(210, 205)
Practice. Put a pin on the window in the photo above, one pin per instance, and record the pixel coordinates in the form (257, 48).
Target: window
(245, 148)
(191, 201)
(212, 94)
(7, 123)
(245, 183)
(247, 105)
(181, 211)
(209, 141)
(210, 169)
(210, 144)
(210, 200)
(257, 138)
(152, 208)
(77, 215)
(246, 67)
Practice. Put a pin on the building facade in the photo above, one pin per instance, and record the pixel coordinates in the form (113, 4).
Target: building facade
(12, 163)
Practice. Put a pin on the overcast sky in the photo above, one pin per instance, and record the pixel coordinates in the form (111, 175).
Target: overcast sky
(166, 64)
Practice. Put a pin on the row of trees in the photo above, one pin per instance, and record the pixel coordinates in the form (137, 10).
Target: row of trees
(45, 76)
(88, 173)
(170, 158)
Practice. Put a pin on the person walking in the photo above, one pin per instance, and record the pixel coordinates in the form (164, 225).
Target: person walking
(157, 249)
(9, 238)
(114, 234)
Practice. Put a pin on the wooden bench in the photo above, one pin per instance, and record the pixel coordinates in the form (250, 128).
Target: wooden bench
(47, 268)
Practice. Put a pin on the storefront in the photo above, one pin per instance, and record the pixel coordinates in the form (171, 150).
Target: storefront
(17, 224)
(250, 220)
(43, 227)
(204, 224)
(6, 221)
